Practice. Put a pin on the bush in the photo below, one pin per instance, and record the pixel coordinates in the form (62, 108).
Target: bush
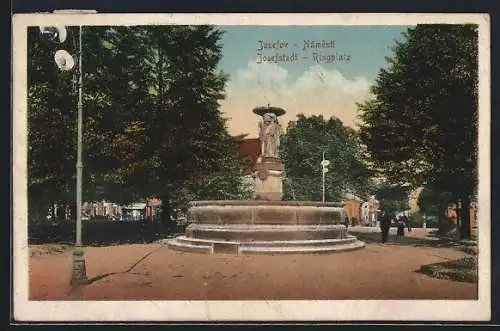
(354, 220)
(446, 224)
(431, 223)
(100, 232)
(99, 218)
(416, 220)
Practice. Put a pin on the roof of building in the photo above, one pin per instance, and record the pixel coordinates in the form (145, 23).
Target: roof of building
(154, 202)
(249, 149)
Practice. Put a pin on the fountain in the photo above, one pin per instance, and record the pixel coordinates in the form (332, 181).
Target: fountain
(266, 224)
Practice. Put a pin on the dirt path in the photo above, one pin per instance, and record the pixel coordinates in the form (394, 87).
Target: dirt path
(376, 272)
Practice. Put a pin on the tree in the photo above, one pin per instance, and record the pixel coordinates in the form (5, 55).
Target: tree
(224, 182)
(52, 113)
(392, 197)
(51, 127)
(434, 202)
(302, 150)
(152, 124)
(421, 126)
(186, 141)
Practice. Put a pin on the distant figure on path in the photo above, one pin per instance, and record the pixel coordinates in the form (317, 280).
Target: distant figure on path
(385, 224)
(406, 220)
(346, 222)
(401, 227)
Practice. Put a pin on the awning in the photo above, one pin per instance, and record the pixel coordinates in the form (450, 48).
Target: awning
(135, 206)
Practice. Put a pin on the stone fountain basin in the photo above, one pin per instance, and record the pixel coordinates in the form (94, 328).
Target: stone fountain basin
(249, 232)
(265, 212)
(267, 227)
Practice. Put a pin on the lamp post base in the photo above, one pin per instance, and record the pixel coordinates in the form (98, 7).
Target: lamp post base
(79, 272)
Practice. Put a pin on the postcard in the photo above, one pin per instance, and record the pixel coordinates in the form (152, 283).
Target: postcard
(251, 167)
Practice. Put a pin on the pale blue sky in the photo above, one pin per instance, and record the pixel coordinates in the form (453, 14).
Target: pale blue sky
(302, 86)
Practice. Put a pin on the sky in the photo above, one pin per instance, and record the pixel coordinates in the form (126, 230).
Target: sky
(303, 69)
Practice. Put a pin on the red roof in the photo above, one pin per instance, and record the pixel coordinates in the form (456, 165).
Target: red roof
(249, 149)
(153, 202)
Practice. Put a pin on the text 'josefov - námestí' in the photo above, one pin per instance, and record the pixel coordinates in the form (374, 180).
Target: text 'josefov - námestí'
(316, 51)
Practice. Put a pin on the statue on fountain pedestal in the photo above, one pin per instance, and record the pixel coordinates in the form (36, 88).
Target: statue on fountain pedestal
(268, 170)
(269, 135)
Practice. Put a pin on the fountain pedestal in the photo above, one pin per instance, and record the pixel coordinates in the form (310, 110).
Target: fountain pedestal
(267, 176)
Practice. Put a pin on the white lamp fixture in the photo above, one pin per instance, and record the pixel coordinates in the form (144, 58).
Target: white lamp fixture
(64, 60)
(54, 33)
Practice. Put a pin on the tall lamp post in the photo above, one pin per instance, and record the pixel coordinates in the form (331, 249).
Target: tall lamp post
(65, 62)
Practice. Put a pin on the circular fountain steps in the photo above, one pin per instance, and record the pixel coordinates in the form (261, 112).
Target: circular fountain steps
(250, 238)
(187, 244)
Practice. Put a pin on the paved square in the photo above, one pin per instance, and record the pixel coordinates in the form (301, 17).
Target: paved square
(379, 271)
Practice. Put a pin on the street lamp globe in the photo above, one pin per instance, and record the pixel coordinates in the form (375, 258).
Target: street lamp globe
(54, 34)
(64, 60)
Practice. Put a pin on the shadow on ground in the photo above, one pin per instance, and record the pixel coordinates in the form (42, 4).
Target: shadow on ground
(102, 233)
(129, 269)
(462, 270)
(430, 240)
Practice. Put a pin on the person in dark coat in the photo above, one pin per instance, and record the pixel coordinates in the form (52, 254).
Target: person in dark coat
(406, 220)
(401, 227)
(385, 224)
(346, 222)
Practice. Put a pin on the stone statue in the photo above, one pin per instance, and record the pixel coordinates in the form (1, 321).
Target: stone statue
(269, 135)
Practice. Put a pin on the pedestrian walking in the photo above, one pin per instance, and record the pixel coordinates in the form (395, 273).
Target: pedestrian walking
(385, 224)
(346, 222)
(407, 221)
(401, 227)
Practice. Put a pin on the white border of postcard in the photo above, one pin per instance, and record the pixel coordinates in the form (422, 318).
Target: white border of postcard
(346, 310)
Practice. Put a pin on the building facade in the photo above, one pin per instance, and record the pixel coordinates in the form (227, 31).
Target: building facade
(153, 209)
(352, 209)
(101, 209)
(451, 213)
(369, 212)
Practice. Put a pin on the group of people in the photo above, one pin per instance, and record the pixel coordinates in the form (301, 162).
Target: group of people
(386, 222)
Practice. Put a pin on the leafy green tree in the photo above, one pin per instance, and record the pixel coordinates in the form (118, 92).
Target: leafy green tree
(434, 202)
(302, 150)
(152, 124)
(51, 127)
(120, 80)
(392, 197)
(186, 139)
(421, 126)
(223, 183)
(52, 114)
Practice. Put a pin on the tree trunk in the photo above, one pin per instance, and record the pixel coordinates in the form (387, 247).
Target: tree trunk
(61, 211)
(38, 214)
(52, 211)
(33, 214)
(465, 231)
(457, 219)
(443, 224)
(72, 216)
(166, 212)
